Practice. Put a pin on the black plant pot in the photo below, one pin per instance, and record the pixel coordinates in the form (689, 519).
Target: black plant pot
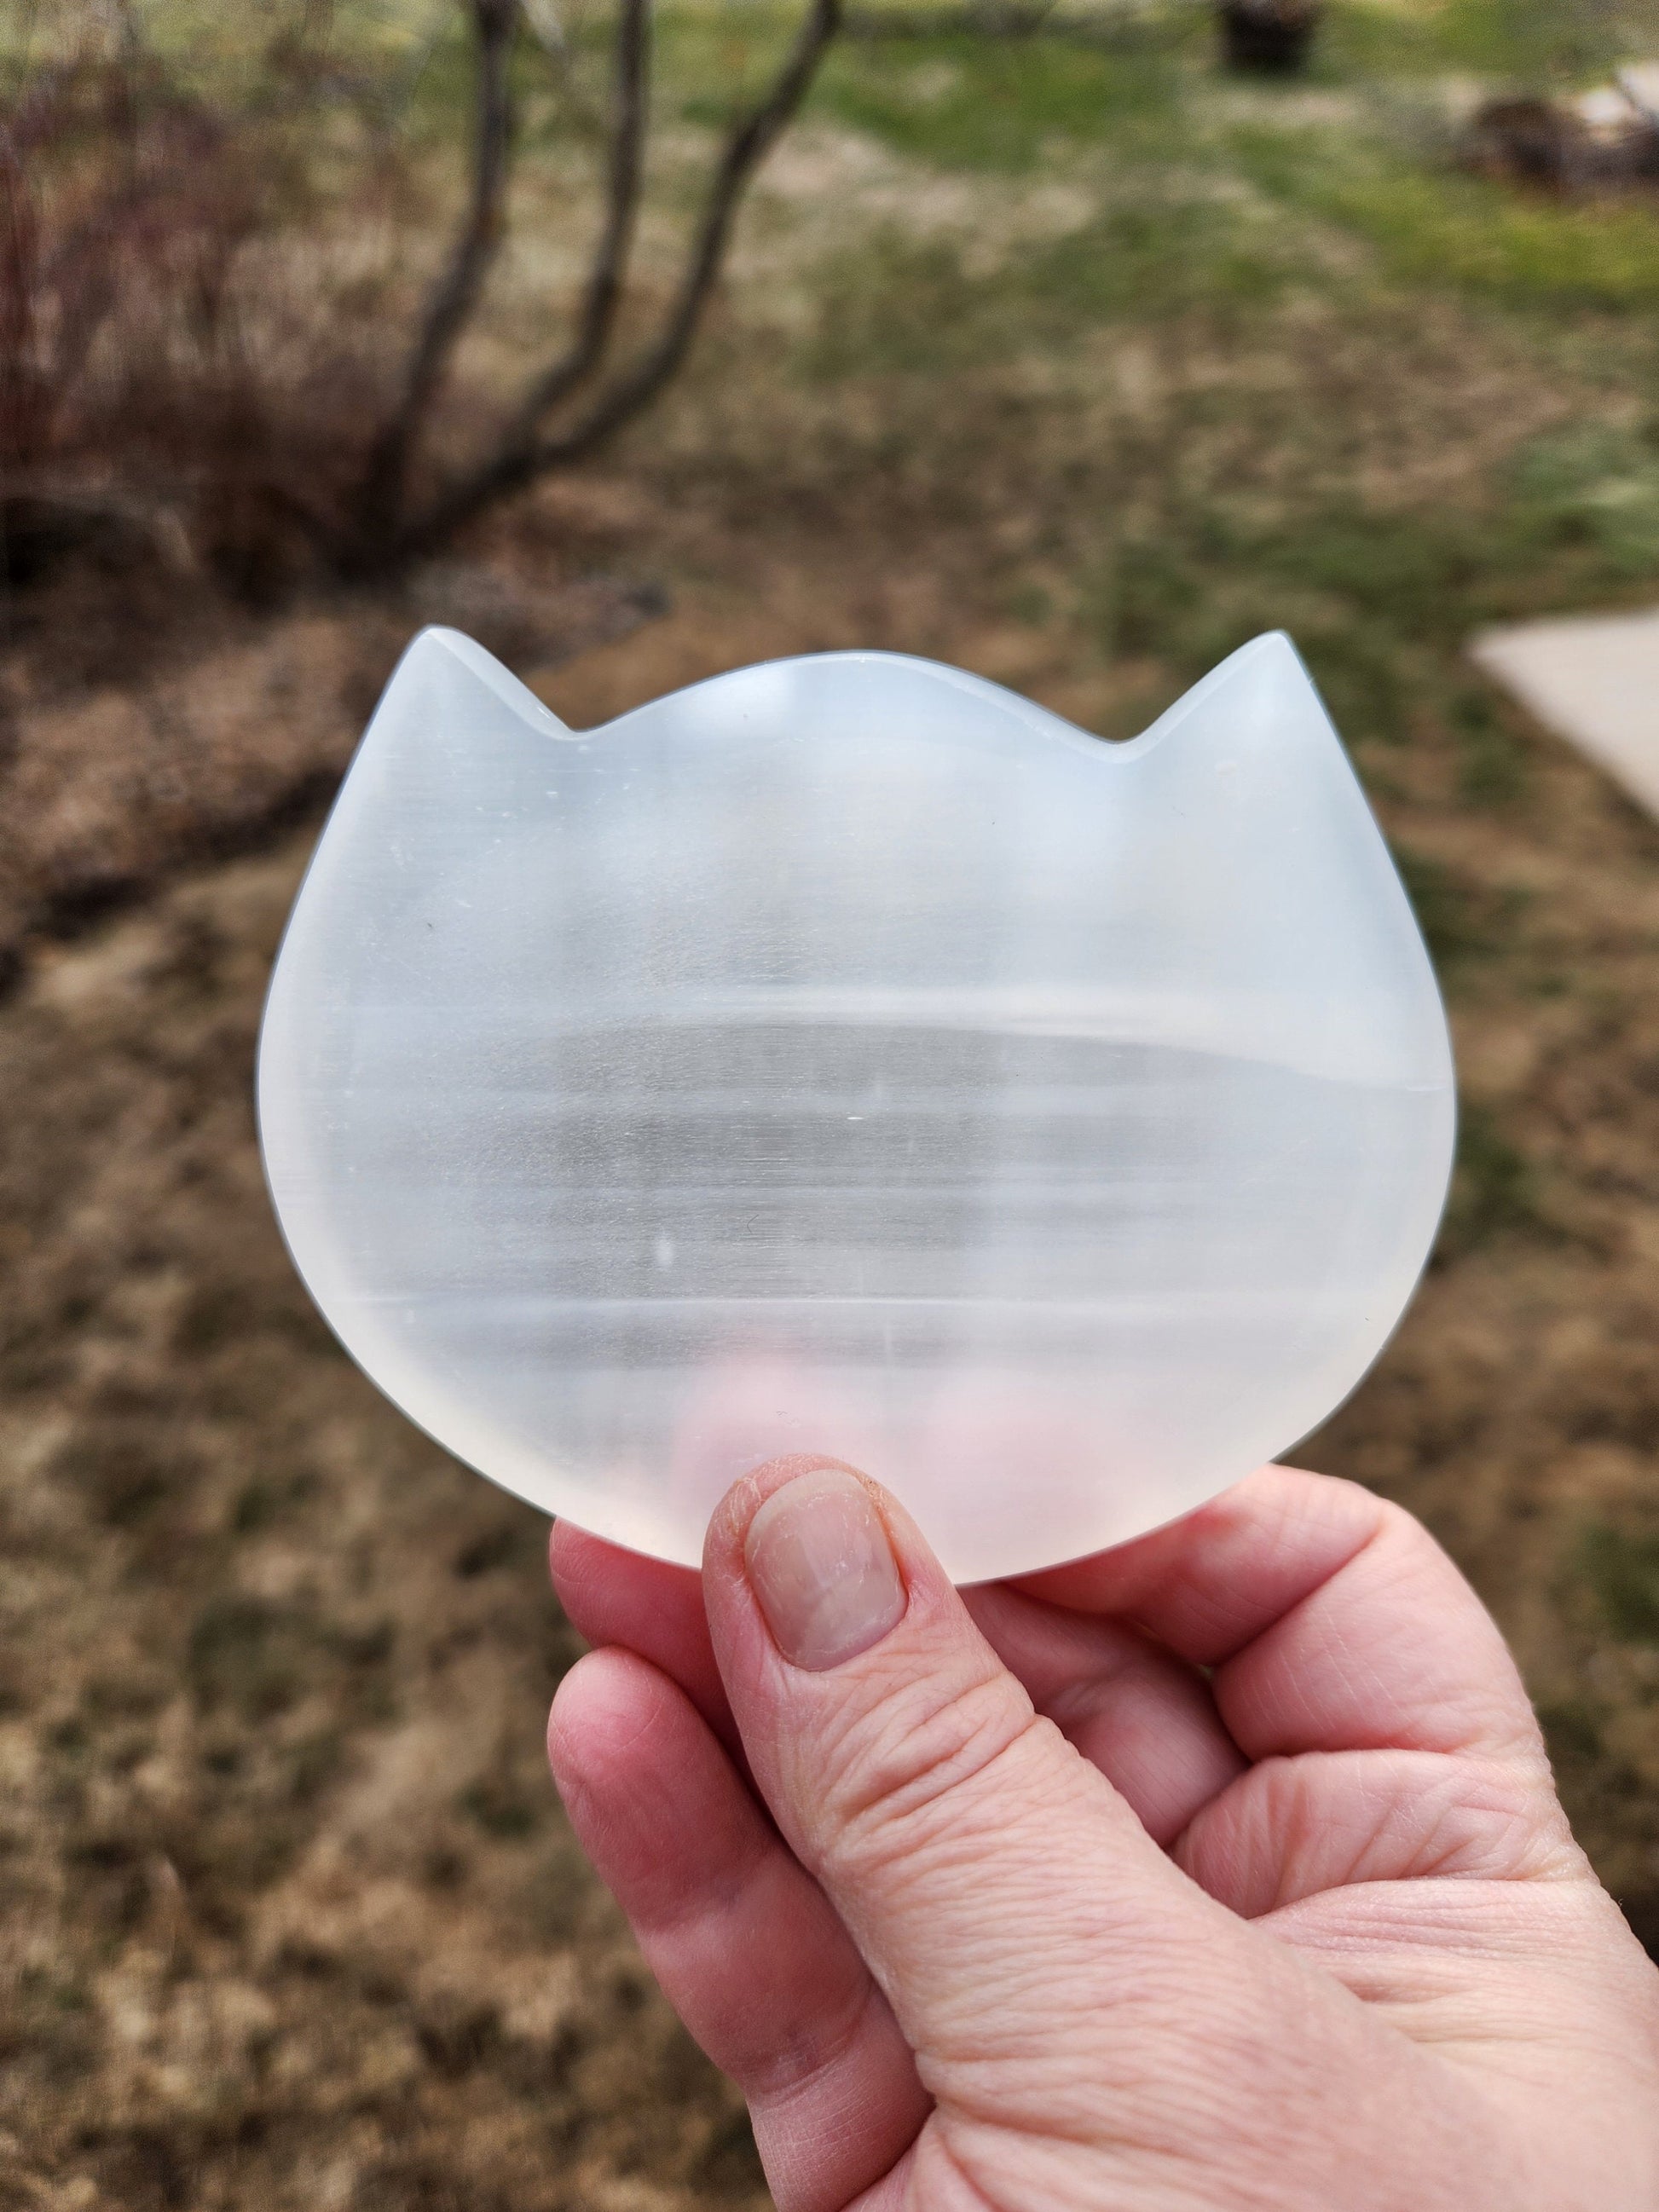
(1269, 38)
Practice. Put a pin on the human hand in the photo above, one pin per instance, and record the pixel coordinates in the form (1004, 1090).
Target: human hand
(1221, 1870)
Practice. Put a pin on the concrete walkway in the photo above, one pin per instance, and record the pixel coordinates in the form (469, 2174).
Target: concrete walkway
(1594, 681)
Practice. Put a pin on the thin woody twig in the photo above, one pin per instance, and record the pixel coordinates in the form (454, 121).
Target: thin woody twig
(23, 397)
(603, 293)
(521, 455)
(454, 296)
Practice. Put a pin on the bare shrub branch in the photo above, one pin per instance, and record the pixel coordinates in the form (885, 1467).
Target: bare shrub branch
(23, 400)
(604, 291)
(128, 385)
(523, 454)
(455, 295)
(161, 342)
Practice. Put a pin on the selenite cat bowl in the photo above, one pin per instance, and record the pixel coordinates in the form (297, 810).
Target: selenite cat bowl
(847, 1056)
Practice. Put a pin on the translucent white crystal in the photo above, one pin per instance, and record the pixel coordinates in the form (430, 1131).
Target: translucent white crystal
(845, 1056)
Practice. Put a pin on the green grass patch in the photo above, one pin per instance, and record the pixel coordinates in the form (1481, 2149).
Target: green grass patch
(1622, 1571)
(1457, 925)
(1527, 43)
(1430, 222)
(1598, 487)
(899, 304)
(1492, 769)
(1484, 236)
(1379, 605)
(1000, 104)
(1494, 1189)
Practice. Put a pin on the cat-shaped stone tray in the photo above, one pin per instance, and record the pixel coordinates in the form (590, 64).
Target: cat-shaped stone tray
(847, 1056)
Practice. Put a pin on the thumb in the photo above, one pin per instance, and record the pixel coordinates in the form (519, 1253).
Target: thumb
(995, 1883)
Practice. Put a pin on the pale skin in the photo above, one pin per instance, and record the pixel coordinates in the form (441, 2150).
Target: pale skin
(1221, 1871)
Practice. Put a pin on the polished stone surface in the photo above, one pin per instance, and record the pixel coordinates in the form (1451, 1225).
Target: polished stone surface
(847, 1056)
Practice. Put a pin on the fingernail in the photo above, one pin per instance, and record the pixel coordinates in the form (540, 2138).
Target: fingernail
(820, 1563)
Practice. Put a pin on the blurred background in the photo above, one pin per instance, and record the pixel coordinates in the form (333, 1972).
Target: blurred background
(1074, 341)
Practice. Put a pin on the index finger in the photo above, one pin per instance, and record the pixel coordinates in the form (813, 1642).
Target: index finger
(647, 1606)
(1333, 1619)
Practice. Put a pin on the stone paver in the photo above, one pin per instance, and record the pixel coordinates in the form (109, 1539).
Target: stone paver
(1594, 681)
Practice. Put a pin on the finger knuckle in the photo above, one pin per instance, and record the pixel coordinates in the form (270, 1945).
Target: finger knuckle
(918, 1758)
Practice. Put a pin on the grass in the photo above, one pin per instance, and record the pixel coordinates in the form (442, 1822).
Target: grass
(1297, 269)
(1382, 174)
(1622, 1572)
(1188, 201)
(1494, 1186)
(899, 305)
(1598, 486)
(1430, 224)
(1005, 106)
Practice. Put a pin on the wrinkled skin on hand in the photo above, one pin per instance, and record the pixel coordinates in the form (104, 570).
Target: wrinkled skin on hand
(1222, 1870)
